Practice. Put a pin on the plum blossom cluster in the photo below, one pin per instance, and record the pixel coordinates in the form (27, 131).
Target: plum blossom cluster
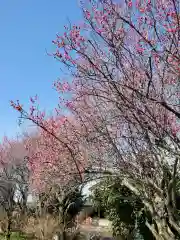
(53, 157)
(66, 44)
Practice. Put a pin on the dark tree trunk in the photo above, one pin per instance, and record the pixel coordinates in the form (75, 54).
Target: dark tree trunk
(8, 232)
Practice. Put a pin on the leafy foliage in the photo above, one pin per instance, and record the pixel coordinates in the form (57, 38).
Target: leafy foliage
(122, 207)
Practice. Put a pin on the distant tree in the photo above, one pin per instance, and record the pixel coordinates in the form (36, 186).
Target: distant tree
(14, 178)
(98, 202)
(7, 185)
(7, 192)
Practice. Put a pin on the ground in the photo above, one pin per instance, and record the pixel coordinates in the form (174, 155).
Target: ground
(105, 232)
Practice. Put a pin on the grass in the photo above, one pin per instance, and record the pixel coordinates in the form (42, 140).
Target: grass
(14, 236)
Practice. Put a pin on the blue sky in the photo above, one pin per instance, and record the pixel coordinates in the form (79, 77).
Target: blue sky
(27, 28)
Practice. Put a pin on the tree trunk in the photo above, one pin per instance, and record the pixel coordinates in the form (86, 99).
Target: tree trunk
(164, 226)
(162, 230)
(8, 232)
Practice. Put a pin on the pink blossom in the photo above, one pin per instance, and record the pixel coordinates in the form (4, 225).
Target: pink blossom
(130, 4)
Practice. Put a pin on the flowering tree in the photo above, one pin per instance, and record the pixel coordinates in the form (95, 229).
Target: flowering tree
(56, 150)
(124, 61)
(55, 155)
(57, 159)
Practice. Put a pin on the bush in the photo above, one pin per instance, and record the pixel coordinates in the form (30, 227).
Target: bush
(42, 228)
